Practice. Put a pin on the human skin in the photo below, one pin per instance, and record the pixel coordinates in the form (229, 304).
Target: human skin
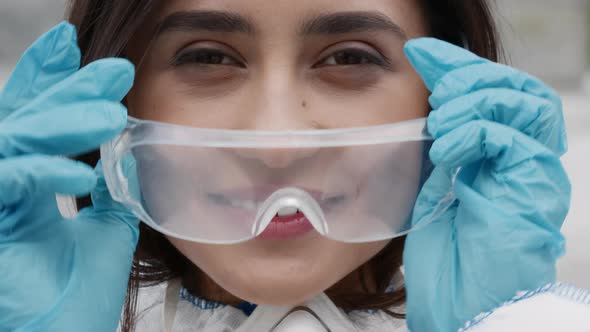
(271, 77)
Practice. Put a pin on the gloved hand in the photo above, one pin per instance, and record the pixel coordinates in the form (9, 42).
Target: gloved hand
(505, 129)
(56, 274)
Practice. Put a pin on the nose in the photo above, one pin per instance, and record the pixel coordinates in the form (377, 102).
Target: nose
(278, 105)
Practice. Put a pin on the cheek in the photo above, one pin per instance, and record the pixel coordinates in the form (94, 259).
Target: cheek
(164, 99)
(400, 97)
(281, 273)
(156, 97)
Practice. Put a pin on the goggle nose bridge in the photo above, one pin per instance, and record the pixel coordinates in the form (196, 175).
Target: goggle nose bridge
(290, 197)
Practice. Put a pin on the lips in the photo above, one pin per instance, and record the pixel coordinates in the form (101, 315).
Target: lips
(251, 198)
(287, 227)
(239, 205)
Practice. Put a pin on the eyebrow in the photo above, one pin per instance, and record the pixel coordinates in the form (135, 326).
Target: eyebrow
(326, 24)
(351, 22)
(211, 21)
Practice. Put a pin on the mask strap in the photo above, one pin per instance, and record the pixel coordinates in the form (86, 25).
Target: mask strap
(316, 315)
(170, 304)
(67, 206)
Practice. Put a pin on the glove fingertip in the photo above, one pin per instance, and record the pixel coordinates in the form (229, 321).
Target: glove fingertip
(471, 142)
(432, 124)
(558, 250)
(66, 53)
(438, 151)
(124, 71)
(50, 59)
(85, 179)
(417, 52)
(434, 58)
(59, 174)
(114, 76)
(116, 114)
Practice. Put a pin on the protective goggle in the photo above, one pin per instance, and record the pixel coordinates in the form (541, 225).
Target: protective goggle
(229, 186)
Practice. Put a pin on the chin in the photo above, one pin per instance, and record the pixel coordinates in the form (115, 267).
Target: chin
(279, 295)
(278, 285)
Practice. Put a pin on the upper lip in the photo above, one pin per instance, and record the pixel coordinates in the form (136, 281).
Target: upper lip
(261, 193)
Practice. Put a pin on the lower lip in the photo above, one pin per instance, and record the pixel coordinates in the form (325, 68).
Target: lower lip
(286, 227)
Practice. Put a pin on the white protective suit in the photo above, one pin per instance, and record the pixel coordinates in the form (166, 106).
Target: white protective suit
(169, 308)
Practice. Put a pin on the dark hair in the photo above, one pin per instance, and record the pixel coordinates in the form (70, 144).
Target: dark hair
(105, 27)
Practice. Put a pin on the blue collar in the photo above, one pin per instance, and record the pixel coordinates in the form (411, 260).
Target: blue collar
(246, 307)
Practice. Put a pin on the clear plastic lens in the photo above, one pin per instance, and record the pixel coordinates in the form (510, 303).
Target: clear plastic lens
(185, 183)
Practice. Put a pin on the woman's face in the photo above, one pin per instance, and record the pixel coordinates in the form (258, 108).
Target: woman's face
(278, 65)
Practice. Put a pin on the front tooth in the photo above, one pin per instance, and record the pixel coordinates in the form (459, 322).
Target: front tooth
(287, 211)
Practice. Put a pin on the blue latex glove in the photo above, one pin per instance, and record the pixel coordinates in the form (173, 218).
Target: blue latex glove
(505, 129)
(56, 274)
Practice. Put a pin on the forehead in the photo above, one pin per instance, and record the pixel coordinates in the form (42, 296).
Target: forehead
(288, 15)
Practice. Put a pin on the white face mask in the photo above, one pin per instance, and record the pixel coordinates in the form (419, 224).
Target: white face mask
(301, 320)
(316, 315)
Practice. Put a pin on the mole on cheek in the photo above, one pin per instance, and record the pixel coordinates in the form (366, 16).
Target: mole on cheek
(304, 104)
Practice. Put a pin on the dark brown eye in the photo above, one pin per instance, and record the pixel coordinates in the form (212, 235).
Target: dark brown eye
(353, 57)
(205, 57)
(349, 58)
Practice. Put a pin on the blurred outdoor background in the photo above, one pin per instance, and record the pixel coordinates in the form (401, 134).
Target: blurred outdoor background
(548, 38)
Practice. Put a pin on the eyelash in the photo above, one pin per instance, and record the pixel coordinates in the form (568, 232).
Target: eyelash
(367, 58)
(197, 56)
